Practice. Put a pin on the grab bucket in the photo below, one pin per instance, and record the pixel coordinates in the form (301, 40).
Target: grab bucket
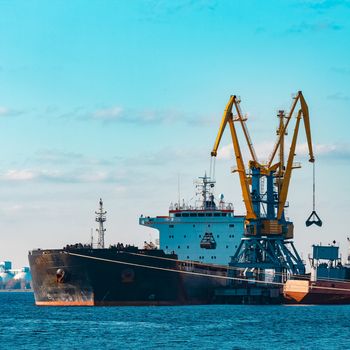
(313, 219)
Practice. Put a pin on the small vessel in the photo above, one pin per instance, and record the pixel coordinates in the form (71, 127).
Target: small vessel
(328, 282)
(182, 271)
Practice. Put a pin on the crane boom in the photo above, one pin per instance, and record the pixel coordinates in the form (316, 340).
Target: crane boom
(282, 132)
(245, 132)
(228, 118)
(288, 172)
(247, 199)
(306, 119)
(224, 120)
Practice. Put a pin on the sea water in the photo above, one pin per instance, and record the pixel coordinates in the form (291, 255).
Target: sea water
(26, 326)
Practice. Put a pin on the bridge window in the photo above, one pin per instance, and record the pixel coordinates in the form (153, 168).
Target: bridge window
(193, 214)
(177, 215)
(224, 214)
(216, 214)
(185, 214)
(171, 226)
(231, 225)
(208, 214)
(188, 247)
(200, 214)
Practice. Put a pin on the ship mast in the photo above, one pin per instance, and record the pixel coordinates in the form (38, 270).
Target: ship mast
(205, 186)
(101, 218)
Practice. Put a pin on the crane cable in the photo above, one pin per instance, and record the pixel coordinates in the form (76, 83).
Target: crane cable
(313, 219)
(213, 178)
(212, 168)
(313, 187)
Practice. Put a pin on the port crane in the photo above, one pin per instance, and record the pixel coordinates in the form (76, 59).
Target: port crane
(267, 243)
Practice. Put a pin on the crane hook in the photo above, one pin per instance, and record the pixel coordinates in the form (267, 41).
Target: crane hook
(313, 219)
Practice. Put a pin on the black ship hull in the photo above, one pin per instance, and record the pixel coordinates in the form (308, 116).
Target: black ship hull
(89, 277)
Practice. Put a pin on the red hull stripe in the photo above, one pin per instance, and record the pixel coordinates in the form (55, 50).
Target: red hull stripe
(65, 303)
(117, 303)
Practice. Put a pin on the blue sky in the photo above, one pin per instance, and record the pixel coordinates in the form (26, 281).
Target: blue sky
(114, 99)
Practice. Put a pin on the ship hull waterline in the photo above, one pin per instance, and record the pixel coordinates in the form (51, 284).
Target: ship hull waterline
(106, 277)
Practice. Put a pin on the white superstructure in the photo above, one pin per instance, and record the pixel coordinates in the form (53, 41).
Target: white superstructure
(206, 232)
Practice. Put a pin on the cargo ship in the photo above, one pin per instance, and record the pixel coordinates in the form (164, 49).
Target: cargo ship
(206, 253)
(328, 282)
(195, 245)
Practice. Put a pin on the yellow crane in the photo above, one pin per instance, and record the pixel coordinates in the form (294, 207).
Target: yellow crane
(278, 182)
(267, 244)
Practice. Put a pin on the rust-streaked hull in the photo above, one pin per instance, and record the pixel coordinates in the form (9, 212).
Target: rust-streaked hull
(106, 277)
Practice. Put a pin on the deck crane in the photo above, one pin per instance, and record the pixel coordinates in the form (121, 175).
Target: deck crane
(267, 243)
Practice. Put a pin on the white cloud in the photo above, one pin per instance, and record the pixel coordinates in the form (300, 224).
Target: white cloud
(265, 148)
(319, 149)
(6, 112)
(3, 111)
(18, 175)
(74, 176)
(225, 152)
(150, 116)
(339, 96)
(112, 113)
(98, 176)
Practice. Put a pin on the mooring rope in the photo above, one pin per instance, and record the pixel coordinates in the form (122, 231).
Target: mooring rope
(233, 268)
(197, 273)
(171, 270)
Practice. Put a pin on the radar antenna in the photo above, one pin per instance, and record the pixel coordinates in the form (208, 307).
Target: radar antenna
(205, 188)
